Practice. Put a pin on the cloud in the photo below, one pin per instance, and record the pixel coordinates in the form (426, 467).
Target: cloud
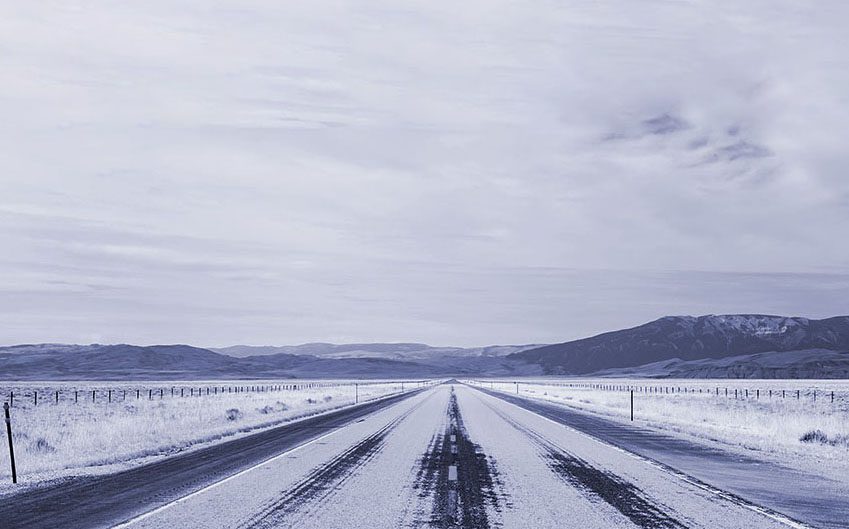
(349, 170)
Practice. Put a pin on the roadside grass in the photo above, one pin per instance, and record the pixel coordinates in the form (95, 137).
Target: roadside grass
(55, 440)
(786, 428)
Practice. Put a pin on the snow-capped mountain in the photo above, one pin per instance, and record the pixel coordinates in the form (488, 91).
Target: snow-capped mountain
(690, 338)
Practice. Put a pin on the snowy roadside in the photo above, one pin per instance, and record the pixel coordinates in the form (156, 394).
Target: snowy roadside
(767, 429)
(56, 441)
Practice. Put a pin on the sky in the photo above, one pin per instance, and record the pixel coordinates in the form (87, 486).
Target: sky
(265, 172)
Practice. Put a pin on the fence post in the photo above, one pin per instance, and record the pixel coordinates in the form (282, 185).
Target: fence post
(356, 393)
(11, 447)
(35, 397)
(632, 405)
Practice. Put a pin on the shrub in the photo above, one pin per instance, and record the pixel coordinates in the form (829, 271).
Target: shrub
(814, 436)
(41, 446)
(233, 414)
(819, 436)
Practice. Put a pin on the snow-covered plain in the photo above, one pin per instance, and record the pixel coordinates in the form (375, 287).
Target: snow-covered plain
(765, 417)
(55, 440)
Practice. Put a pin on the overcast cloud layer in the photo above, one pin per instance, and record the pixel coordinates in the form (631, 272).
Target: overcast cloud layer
(484, 172)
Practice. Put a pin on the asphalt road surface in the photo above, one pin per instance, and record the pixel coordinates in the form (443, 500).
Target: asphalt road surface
(814, 500)
(446, 457)
(103, 501)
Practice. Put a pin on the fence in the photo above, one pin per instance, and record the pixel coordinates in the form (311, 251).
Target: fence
(109, 394)
(143, 419)
(813, 394)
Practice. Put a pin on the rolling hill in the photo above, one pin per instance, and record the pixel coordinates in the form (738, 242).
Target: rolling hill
(184, 362)
(396, 351)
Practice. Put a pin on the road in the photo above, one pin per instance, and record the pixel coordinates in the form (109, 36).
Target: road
(446, 457)
(103, 501)
(815, 500)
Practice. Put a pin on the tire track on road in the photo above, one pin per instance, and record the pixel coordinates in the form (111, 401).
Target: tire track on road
(460, 478)
(129, 496)
(591, 426)
(324, 480)
(597, 484)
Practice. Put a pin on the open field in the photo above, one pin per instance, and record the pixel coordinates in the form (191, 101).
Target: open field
(78, 428)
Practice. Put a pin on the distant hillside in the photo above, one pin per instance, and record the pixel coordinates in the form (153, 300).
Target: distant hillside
(688, 338)
(733, 346)
(397, 351)
(812, 364)
(59, 361)
(175, 362)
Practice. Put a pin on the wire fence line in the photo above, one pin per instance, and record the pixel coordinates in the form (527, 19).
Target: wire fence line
(45, 395)
(118, 422)
(812, 394)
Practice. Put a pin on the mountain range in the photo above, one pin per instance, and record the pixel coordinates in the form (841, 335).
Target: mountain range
(689, 338)
(184, 362)
(395, 351)
(725, 346)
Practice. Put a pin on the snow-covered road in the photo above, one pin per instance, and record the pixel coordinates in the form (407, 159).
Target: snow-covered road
(456, 457)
